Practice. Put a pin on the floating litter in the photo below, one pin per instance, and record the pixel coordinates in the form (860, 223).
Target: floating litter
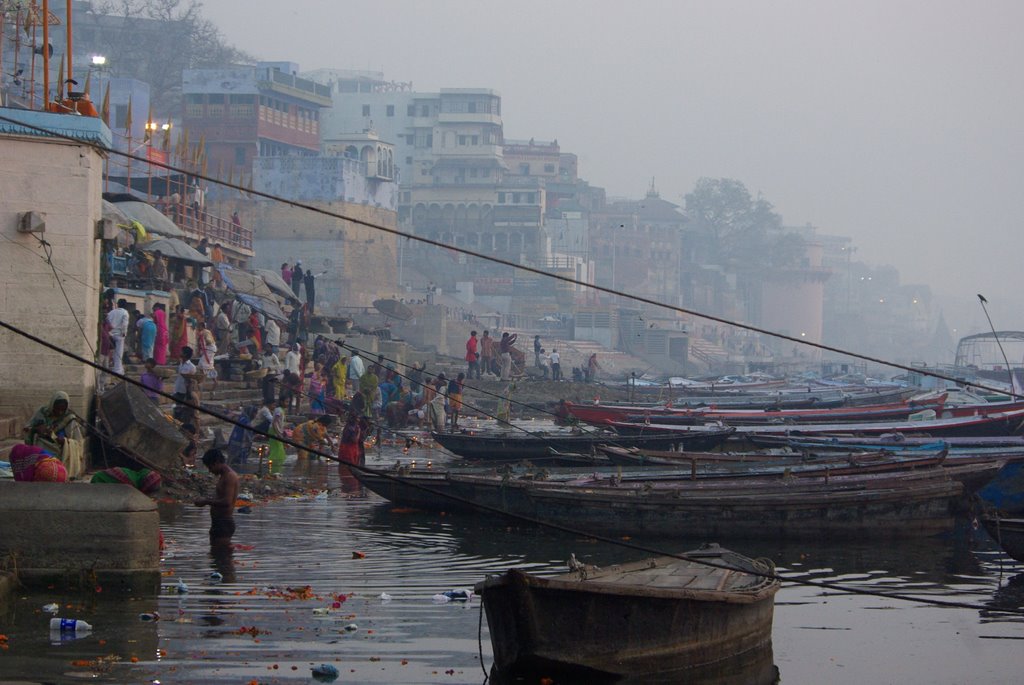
(385, 597)
(351, 627)
(216, 575)
(51, 608)
(325, 672)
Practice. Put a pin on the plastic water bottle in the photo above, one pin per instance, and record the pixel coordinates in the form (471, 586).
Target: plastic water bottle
(69, 625)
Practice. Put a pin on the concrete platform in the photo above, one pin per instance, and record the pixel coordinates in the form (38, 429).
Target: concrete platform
(80, 536)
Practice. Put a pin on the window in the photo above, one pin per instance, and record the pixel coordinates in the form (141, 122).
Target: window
(390, 111)
(408, 160)
(524, 169)
(410, 111)
(549, 168)
(475, 140)
(473, 172)
(472, 108)
(501, 198)
(425, 110)
(486, 173)
(239, 155)
(462, 140)
(366, 110)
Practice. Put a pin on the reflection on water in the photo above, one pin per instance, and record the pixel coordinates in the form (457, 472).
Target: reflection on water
(259, 622)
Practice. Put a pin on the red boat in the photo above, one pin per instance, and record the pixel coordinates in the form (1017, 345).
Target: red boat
(607, 414)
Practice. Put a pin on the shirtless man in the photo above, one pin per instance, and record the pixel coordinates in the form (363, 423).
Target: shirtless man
(222, 504)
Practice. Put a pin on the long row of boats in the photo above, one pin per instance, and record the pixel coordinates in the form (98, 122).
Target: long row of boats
(877, 470)
(898, 468)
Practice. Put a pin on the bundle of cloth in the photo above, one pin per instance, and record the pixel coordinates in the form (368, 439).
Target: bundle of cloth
(32, 463)
(147, 481)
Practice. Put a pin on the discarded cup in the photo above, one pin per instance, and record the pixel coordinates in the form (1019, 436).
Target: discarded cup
(51, 608)
(154, 616)
(69, 625)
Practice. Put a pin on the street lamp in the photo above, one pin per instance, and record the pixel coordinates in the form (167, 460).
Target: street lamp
(99, 60)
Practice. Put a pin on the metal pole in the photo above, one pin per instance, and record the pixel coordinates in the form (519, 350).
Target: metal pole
(983, 301)
(46, 54)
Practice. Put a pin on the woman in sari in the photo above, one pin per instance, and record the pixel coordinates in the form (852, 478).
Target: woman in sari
(317, 390)
(351, 439)
(207, 349)
(162, 336)
(339, 374)
(277, 454)
(179, 332)
(55, 428)
(254, 333)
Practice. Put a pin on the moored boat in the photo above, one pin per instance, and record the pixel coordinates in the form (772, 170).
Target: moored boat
(645, 619)
(1008, 532)
(896, 504)
(552, 447)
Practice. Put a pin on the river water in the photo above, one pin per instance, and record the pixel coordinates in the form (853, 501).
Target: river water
(260, 623)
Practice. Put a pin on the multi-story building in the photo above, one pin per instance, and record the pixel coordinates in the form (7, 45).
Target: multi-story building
(455, 185)
(247, 112)
(637, 247)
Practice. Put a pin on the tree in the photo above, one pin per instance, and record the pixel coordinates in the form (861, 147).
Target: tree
(155, 40)
(739, 231)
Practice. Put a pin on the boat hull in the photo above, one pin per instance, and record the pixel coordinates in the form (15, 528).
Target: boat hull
(787, 510)
(552, 448)
(553, 627)
(1009, 533)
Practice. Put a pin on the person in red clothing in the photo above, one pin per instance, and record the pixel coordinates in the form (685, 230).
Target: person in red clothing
(349, 451)
(472, 356)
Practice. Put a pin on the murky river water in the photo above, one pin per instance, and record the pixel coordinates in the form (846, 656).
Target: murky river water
(819, 636)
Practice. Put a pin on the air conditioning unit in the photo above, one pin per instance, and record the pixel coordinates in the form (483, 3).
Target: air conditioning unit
(31, 222)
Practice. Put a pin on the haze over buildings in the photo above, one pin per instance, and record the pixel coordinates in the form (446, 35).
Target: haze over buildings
(894, 124)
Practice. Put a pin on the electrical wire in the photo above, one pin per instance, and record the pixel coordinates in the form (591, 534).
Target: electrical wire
(498, 260)
(771, 575)
(529, 269)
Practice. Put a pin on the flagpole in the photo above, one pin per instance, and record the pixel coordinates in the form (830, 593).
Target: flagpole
(983, 301)
(46, 55)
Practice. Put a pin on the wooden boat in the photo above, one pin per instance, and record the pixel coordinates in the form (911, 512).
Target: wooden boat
(597, 414)
(995, 424)
(918, 501)
(1008, 532)
(644, 620)
(551, 447)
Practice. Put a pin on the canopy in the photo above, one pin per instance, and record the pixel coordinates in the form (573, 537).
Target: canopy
(267, 307)
(150, 217)
(275, 283)
(393, 309)
(173, 248)
(242, 282)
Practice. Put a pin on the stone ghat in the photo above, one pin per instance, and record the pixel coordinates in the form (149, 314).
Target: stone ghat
(80, 536)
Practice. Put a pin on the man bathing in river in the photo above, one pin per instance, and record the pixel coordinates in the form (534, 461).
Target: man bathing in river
(222, 504)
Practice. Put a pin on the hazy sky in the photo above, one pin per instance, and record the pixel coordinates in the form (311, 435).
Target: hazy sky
(896, 123)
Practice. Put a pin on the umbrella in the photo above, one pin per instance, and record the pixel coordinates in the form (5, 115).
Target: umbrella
(393, 309)
(150, 217)
(172, 248)
(243, 282)
(275, 283)
(268, 307)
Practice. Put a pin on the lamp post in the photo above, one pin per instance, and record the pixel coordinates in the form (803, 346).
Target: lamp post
(151, 130)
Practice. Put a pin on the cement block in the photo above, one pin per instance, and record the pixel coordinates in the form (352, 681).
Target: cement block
(80, 536)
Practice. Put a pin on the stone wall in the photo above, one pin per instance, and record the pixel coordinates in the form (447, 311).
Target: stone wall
(80, 536)
(355, 264)
(62, 180)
